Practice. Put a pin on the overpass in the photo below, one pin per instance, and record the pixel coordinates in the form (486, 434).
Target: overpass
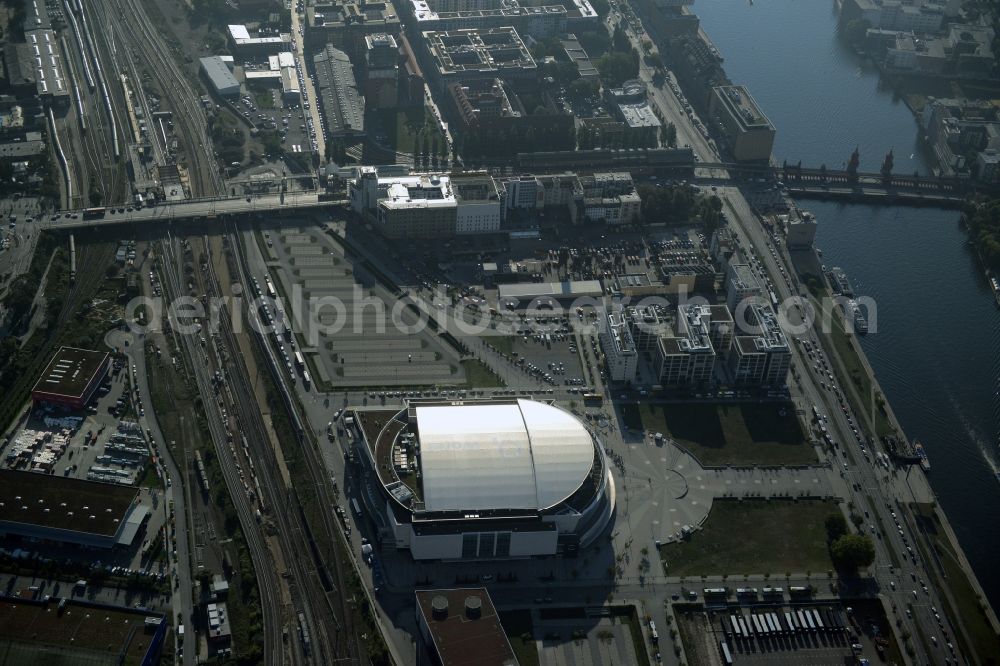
(193, 209)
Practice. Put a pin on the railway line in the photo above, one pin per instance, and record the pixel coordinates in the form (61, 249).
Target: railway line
(128, 19)
(348, 642)
(94, 134)
(309, 582)
(263, 563)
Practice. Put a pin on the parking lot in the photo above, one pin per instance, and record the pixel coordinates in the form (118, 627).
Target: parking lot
(356, 342)
(771, 634)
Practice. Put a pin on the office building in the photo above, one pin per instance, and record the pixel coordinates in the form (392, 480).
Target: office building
(748, 134)
(741, 284)
(688, 357)
(381, 71)
(427, 206)
(260, 45)
(611, 198)
(800, 229)
(470, 54)
(632, 108)
(620, 354)
(760, 354)
(346, 24)
(540, 21)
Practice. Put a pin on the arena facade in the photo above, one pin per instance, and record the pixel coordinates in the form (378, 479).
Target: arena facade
(486, 479)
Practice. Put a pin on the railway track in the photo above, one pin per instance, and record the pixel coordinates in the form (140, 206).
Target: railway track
(348, 643)
(309, 584)
(131, 20)
(263, 564)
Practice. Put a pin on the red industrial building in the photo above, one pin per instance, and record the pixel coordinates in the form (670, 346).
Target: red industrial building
(71, 377)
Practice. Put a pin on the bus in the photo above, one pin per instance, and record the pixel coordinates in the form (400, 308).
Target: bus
(818, 619)
(356, 506)
(790, 621)
(799, 590)
(736, 626)
(802, 620)
(93, 213)
(715, 592)
(300, 362)
(270, 288)
(593, 399)
(727, 658)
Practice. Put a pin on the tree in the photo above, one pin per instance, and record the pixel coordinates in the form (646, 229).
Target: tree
(836, 526)
(618, 67)
(853, 551)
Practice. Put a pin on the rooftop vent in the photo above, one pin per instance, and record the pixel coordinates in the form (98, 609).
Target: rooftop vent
(439, 607)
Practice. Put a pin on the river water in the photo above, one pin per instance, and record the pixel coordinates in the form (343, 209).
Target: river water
(936, 351)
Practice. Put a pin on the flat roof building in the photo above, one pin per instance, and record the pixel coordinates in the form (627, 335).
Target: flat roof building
(522, 294)
(426, 205)
(220, 76)
(44, 61)
(346, 24)
(760, 354)
(478, 53)
(67, 510)
(620, 352)
(246, 44)
(749, 134)
(688, 358)
(343, 104)
(71, 377)
(741, 284)
(487, 479)
(461, 627)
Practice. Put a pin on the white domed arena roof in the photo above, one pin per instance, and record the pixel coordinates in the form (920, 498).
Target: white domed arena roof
(479, 457)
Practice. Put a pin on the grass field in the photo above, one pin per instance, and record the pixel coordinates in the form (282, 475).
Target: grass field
(517, 624)
(986, 641)
(403, 126)
(755, 537)
(478, 375)
(503, 343)
(732, 434)
(846, 347)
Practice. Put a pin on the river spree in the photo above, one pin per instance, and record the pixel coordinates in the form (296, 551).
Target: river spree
(936, 352)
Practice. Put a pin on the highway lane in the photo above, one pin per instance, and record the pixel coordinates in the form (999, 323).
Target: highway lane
(211, 207)
(900, 584)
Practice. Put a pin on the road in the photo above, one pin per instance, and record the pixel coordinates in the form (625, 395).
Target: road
(198, 208)
(871, 487)
(298, 26)
(179, 557)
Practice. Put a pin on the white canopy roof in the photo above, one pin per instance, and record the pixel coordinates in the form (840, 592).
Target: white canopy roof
(478, 457)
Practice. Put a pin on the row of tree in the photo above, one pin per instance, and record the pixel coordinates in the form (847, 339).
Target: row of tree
(982, 219)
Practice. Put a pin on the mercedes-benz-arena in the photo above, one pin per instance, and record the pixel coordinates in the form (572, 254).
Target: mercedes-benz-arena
(490, 479)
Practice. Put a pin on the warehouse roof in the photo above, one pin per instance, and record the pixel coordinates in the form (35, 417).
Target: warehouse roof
(343, 104)
(64, 503)
(465, 628)
(70, 372)
(573, 288)
(524, 455)
(218, 73)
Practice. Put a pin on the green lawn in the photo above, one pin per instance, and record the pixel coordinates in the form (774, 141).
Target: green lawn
(731, 434)
(986, 641)
(403, 125)
(517, 625)
(846, 346)
(478, 375)
(503, 343)
(755, 537)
